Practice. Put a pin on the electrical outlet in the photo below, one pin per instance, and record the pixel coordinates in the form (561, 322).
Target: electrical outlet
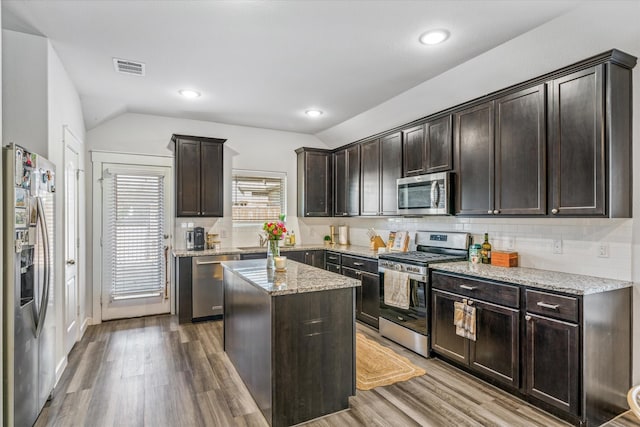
(223, 233)
(510, 243)
(557, 246)
(603, 250)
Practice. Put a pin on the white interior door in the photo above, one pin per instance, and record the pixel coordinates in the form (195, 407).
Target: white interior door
(136, 218)
(71, 288)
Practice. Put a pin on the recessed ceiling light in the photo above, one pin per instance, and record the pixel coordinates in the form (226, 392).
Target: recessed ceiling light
(434, 36)
(188, 93)
(313, 113)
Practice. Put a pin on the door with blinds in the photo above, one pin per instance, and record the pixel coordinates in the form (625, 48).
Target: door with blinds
(135, 221)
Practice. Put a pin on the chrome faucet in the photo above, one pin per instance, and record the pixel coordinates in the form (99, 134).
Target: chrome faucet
(263, 239)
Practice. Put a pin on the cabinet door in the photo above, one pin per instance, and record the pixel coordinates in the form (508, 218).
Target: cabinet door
(415, 151)
(390, 171)
(577, 144)
(353, 181)
(314, 258)
(520, 153)
(334, 268)
(438, 136)
(474, 147)
(212, 188)
(370, 178)
(444, 340)
(187, 178)
(355, 274)
(340, 183)
(298, 256)
(315, 170)
(370, 298)
(495, 352)
(552, 363)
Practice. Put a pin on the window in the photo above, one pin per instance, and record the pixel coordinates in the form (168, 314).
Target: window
(258, 196)
(133, 238)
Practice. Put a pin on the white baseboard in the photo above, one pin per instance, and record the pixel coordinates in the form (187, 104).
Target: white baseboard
(62, 365)
(83, 327)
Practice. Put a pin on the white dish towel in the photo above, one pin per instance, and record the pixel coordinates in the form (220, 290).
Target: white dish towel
(396, 289)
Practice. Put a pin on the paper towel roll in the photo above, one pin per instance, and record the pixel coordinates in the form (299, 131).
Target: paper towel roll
(343, 235)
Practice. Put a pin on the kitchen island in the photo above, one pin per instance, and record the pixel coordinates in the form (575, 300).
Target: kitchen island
(291, 337)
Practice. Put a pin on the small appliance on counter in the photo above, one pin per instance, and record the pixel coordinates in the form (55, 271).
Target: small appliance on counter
(188, 238)
(343, 235)
(198, 239)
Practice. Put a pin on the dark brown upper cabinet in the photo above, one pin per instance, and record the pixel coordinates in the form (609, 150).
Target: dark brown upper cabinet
(381, 166)
(315, 191)
(199, 176)
(501, 148)
(346, 182)
(427, 147)
(520, 153)
(474, 145)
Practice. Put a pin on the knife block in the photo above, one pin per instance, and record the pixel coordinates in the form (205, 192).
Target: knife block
(377, 242)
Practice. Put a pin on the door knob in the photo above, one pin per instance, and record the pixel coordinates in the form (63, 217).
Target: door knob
(71, 261)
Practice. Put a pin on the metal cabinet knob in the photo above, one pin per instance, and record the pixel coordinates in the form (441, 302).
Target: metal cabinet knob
(496, 212)
(489, 211)
(71, 261)
(527, 317)
(554, 211)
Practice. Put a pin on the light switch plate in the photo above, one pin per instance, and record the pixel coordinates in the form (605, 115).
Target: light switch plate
(603, 250)
(557, 246)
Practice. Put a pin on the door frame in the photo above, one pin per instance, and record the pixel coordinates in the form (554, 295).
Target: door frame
(98, 158)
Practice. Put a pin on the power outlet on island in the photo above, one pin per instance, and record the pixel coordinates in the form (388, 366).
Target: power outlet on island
(557, 246)
(603, 250)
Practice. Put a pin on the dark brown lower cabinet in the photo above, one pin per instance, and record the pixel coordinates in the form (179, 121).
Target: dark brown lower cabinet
(552, 362)
(494, 353)
(569, 354)
(367, 295)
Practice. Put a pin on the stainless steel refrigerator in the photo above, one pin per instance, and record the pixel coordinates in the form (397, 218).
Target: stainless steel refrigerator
(28, 284)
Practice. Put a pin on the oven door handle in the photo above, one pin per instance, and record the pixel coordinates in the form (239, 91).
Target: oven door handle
(415, 277)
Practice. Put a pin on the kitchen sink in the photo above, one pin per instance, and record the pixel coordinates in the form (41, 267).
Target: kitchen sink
(252, 248)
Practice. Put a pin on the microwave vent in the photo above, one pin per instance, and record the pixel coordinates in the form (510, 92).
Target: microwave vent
(126, 66)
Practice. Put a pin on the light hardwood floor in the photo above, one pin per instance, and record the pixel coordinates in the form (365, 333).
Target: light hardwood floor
(154, 372)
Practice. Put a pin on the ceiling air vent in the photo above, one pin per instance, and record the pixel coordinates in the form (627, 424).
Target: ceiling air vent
(126, 66)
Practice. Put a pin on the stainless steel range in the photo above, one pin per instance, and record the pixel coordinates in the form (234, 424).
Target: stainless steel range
(406, 320)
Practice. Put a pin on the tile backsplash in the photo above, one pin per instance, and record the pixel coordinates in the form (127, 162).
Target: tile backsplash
(582, 239)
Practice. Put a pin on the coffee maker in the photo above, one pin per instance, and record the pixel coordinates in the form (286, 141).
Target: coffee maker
(198, 239)
(188, 238)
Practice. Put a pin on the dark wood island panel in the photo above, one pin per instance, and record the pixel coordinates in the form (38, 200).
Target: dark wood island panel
(296, 351)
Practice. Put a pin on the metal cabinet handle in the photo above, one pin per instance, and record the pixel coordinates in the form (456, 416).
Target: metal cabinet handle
(554, 211)
(496, 212)
(489, 211)
(358, 273)
(71, 261)
(467, 287)
(546, 305)
(359, 264)
(207, 262)
(527, 317)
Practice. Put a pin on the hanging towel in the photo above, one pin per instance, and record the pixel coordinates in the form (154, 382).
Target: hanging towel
(464, 319)
(396, 289)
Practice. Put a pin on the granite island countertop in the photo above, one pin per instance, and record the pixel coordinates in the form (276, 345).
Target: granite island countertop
(576, 284)
(363, 251)
(298, 278)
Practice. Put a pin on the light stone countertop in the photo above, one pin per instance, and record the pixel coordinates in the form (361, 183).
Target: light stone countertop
(363, 251)
(298, 278)
(576, 284)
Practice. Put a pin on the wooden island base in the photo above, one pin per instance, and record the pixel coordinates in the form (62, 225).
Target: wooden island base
(295, 352)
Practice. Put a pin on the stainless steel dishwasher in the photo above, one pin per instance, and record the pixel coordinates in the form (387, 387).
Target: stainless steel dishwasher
(207, 285)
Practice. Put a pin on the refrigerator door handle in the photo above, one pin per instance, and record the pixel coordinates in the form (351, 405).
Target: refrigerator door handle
(44, 302)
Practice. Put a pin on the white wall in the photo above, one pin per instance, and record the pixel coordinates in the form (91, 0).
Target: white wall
(245, 148)
(39, 101)
(591, 28)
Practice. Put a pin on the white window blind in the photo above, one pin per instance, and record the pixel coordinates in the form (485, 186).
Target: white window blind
(133, 238)
(258, 195)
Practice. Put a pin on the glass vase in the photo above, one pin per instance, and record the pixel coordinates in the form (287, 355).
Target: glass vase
(273, 250)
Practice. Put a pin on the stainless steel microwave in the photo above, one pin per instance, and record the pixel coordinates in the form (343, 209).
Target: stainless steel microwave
(425, 194)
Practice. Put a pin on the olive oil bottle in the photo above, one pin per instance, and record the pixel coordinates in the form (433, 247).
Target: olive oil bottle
(485, 251)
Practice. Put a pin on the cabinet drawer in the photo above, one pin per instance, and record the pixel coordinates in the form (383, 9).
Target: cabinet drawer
(483, 290)
(364, 264)
(335, 268)
(333, 258)
(552, 305)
